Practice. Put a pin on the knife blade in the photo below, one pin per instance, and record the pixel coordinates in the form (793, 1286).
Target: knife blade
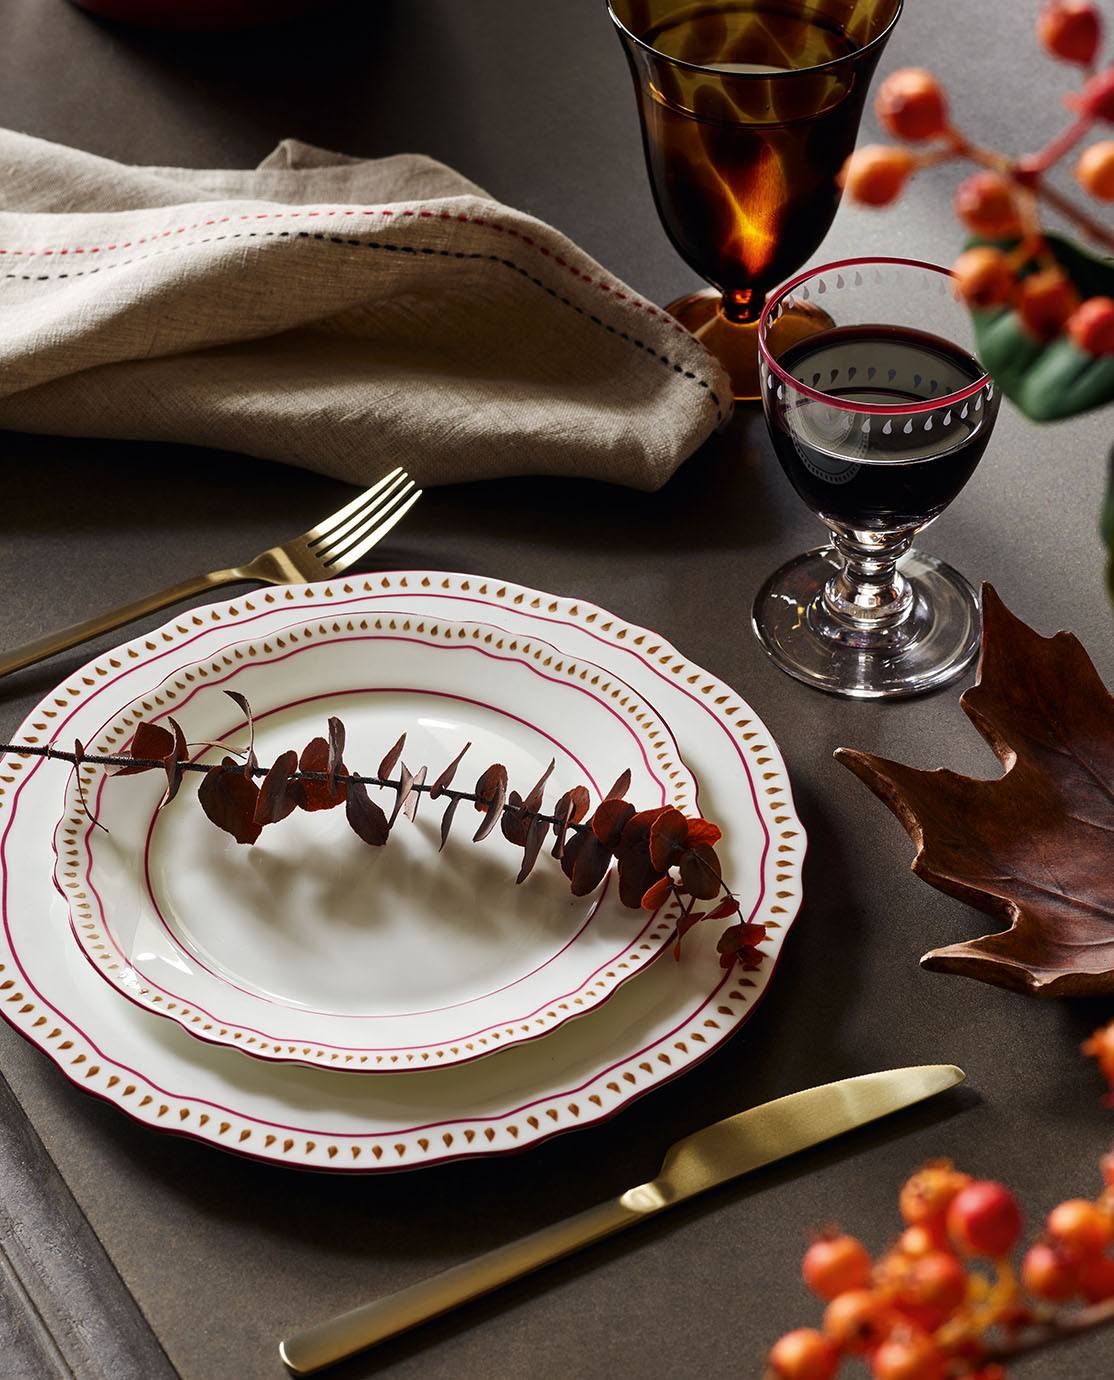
(712, 1156)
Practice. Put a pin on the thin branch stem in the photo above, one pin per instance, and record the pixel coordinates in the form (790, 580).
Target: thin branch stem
(1061, 1327)
(151, 763)
(1092, 228)
(1026, 173)
(1064, 142)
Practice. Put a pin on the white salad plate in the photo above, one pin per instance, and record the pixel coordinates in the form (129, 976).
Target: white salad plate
(314, 947)
(649, 1031)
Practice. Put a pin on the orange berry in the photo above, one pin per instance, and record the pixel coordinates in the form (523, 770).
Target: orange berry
(912, 1357)
(926, 1196)
(804, 1355)
(1095, 170)
(984, 1219)
(984, 279)
(911, 104)
(1045, 301)
(1047, 1274)
(936, 1281)
(1071, 30)
(1080, 1228)
(1106, 1164)
(835, 1264)
(1096, 1279)
(876, 175)
(985, 204)
(1091, 326)
(924, 1237)
(858, 1320)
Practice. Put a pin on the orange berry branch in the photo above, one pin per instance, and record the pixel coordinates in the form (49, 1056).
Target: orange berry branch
(1002, 201)
(922, 1311)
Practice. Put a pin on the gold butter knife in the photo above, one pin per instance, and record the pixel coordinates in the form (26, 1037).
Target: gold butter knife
(709, 1157)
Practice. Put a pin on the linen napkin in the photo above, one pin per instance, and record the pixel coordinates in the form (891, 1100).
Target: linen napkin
(341, 314)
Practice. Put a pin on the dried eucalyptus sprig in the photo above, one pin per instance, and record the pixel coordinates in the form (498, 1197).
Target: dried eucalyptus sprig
(661, 854)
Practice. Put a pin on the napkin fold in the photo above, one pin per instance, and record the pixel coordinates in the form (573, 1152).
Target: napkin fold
(337, 313)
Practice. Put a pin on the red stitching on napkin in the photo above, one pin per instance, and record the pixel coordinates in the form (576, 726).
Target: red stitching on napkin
(389, 247)
(377, 211)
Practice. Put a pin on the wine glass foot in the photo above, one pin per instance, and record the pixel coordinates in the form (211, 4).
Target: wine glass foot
(735, 343)
(931, 647)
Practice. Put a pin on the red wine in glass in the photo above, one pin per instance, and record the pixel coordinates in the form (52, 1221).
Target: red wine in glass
(896, 471)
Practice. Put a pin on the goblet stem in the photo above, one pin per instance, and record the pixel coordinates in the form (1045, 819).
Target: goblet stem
(868, 599)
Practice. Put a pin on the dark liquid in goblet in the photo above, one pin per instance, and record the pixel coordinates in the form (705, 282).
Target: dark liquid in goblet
(744, 170)
(886, 477)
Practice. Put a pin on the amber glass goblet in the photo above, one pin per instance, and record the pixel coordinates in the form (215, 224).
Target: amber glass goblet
(748, 110)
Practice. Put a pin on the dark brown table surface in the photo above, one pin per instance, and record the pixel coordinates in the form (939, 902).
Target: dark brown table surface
(223, 1256)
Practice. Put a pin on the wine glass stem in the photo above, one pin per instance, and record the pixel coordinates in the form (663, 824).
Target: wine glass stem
(742, 306)
(868, 593)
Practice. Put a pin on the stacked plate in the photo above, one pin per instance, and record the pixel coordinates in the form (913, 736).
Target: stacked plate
(400, 1008)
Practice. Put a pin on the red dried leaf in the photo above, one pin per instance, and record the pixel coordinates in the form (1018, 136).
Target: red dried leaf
(492, 791)
(703, 831)
(569, 810)
(514, 825)
(585, 862)
(534, 840)
(700, 872)
(336, 752)
(728, 906)
(446, 777)
(685, 923)
(533, 802)
(152, 742)
(228, 797)
(275, 799)
(447, 821)
(609, 821)
(365, 816)
(388, 763)
(668, 835)
(658, 894)
(171, 762)
(413, 798)
(316, 795)
(241, 702)
(636, 872)
(740, 936)
(78, 758)
(402, 791)
(620, 788)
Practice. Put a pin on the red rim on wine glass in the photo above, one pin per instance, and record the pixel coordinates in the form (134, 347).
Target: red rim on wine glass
(879, 413)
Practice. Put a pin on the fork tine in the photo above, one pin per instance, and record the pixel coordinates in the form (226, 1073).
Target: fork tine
(337, 547)
(328, 524)
(367, 509)
(350, 557)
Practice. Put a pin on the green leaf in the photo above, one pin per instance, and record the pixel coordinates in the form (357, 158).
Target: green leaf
(1055, 380)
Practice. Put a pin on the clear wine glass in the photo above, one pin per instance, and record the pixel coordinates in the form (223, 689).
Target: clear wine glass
(879, 413)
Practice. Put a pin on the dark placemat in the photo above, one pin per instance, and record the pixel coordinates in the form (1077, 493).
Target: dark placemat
(223, 1255)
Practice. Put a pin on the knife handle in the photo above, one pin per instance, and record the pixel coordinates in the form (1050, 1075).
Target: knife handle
(329, 1342)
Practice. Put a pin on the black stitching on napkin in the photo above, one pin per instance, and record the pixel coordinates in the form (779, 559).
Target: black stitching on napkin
(387, 247)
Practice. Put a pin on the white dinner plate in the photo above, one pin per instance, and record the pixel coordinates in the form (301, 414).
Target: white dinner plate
(313, 947)
(650, 1031)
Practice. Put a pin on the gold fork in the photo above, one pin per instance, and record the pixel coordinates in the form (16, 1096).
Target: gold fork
(328, 549)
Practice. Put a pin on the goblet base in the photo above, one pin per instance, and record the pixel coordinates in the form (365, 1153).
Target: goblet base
(735, 343)
(932, 645)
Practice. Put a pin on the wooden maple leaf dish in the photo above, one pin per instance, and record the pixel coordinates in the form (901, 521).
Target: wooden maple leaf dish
(1036, 845)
